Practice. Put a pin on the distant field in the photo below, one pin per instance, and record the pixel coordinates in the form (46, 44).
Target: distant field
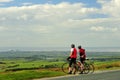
(52, 55)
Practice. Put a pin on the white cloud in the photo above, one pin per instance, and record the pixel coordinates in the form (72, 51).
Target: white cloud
(6, 0)
(46, 14)
(58, 24)
(3, 28)
(110, 7)
(40, 29)
(23, 17)
(101, 28)
(103, 1)
(27, 4)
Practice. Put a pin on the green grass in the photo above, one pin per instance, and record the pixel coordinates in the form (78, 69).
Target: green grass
(107, 65)
(10, 65)
(29, 74)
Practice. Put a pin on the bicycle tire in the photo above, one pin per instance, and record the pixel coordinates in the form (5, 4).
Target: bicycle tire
(86, 68)
(92, 68)
(65, 67)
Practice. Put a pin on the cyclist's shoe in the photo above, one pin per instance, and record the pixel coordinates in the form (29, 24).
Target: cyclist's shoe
(70, 72)
(81, 72)
(74, 73)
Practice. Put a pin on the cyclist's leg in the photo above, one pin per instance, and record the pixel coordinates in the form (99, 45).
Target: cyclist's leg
(75, 64)
(79, 64)
(70, 66)
(82, 64)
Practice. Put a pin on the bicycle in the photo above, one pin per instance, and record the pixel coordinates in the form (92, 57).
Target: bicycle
(86, 69)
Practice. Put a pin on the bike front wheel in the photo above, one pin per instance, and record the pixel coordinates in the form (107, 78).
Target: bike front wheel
(65, 67)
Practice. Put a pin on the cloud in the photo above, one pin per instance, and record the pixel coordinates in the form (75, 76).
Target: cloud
(58, 24)
(97, 28)
(100, 28)
(22, 17)
(45, 15)
(40, 29)
(110, 7)
(3, 28)
(6, 1)
(27, 4)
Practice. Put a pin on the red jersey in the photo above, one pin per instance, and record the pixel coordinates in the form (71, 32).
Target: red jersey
(82, 53)
(74, 53)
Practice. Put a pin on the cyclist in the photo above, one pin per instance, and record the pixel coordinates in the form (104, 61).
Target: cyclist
(73, 56)
(82, 57)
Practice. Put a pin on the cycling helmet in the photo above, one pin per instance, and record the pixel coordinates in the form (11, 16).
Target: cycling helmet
(79, 47)
(72, 45)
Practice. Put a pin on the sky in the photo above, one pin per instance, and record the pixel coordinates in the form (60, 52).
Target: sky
(59, 23)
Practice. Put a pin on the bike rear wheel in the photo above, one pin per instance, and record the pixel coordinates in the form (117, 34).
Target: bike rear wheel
(86, 68)
(92, 68)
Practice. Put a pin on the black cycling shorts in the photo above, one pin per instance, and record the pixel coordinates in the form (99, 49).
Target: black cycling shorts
(82, 60)
(72, 61)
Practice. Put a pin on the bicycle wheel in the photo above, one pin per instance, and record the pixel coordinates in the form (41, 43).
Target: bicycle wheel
(86, 68)
(65, 67)
(92, 68)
